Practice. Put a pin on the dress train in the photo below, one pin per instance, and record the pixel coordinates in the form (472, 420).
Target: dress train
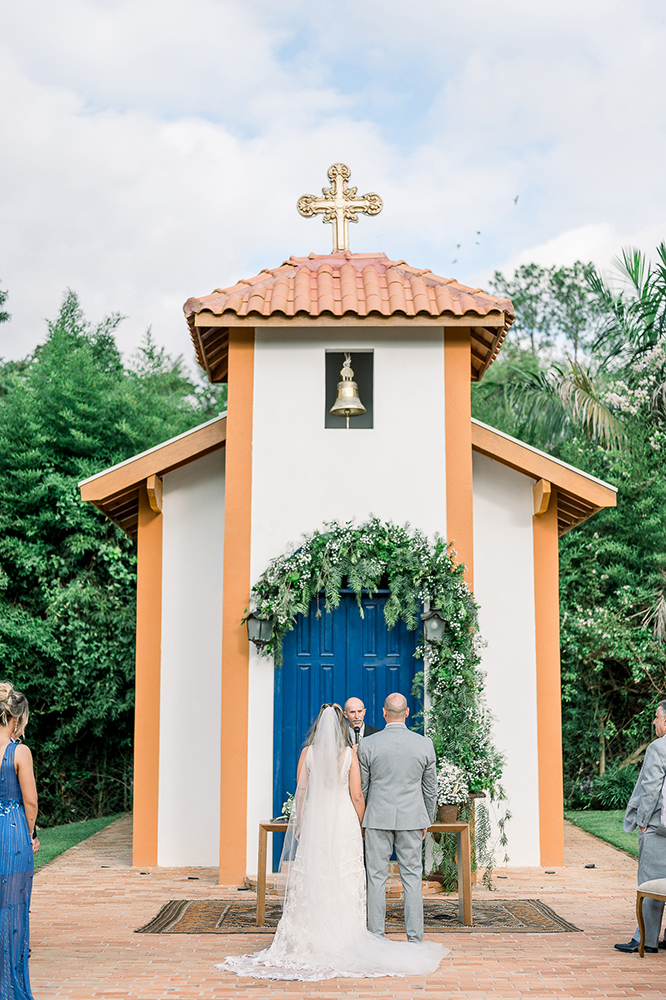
(322, 933)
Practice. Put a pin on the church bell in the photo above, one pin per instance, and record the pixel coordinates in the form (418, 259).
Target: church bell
(347, 403)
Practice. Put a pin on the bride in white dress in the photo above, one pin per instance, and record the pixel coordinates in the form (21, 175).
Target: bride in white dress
(322, 933)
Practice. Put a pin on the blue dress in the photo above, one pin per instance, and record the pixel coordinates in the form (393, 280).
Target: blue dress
(16, 871)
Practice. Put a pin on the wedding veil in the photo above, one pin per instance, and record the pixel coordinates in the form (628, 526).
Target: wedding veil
(322, 933)
(315, 826)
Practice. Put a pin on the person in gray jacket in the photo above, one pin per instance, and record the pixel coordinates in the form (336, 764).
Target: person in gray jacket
(645, 812)
(399, 784)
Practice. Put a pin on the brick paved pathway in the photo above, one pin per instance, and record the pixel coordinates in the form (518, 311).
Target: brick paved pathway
(87, 903)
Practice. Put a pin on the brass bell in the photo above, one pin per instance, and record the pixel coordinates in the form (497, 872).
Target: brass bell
(347, 404)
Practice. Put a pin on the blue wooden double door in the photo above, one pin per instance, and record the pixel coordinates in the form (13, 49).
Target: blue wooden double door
(337, 656)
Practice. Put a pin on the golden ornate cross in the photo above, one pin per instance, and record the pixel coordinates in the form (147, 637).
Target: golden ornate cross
(339, 205)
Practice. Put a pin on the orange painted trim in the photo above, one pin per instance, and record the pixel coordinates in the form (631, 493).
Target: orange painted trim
(458, 428)
(206, 320)
(236, 590)
(157, 461)
(147, 698)
(548, 687)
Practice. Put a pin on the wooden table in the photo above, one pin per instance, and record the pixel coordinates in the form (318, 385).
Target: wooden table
(464, 857)
(264, 830)
(461, 831)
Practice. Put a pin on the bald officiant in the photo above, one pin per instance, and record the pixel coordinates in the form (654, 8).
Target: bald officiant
(355, 715)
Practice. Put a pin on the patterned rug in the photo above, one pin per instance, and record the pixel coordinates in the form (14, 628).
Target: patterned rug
(203, 916)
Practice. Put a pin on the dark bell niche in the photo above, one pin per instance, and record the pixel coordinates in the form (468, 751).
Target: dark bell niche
(362, 366)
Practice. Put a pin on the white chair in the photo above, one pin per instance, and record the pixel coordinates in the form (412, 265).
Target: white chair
(654, 889)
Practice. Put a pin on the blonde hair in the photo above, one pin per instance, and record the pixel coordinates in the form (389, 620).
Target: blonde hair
(342, 722)
(13, 704)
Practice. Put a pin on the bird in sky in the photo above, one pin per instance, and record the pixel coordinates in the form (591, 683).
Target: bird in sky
(515, 200)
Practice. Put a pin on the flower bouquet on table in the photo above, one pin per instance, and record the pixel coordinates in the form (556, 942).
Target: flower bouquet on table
(287, 809)
(288, 806)
(452, 791)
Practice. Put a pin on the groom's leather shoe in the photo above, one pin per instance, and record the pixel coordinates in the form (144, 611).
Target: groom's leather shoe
(632, 946)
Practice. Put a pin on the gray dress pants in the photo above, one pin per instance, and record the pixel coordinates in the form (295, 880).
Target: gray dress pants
(651, 864)
(379, 846)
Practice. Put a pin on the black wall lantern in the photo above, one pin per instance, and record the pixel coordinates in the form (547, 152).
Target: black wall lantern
(433, 625)
(259, 630)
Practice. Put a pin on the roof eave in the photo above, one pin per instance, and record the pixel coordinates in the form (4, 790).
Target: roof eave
(579, 494)
(210, 331)
(115, 491)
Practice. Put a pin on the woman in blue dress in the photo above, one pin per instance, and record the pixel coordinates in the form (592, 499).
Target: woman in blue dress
(18, 812)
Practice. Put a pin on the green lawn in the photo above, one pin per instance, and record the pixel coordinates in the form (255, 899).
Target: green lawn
(56, 839)
(606, 825)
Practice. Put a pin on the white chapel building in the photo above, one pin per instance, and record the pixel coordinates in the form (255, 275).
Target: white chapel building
(210, 508)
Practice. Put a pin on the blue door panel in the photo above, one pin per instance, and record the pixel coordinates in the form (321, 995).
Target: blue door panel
(333, 658)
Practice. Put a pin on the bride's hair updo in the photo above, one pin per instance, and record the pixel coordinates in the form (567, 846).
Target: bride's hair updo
(344, 726)
(13, 704)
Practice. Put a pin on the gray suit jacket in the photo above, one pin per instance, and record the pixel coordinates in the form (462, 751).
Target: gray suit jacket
(644, 809)
(645, 804)
(398, 778)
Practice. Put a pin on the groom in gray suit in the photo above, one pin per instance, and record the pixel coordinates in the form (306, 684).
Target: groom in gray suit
(645, 812)
(399, 783)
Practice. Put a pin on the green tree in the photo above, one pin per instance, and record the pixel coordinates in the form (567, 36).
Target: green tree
(547, 406)
(528, 290)
(574, 307)
(611, 577)
(67, 574)
(606, 415)
(555, 307)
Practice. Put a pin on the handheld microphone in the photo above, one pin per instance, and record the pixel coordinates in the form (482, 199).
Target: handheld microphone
(357, 730)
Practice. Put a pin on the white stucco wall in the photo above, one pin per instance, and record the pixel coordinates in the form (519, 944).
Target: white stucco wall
(504, 589)
(304, 474)
(190, 693)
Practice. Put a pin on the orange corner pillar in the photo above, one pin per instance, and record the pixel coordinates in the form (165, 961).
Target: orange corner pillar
(236, 595)
(147, 698)
(458, 427)
(548, 686)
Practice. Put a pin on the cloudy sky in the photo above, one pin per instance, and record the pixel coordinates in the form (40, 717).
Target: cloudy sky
(155, 150)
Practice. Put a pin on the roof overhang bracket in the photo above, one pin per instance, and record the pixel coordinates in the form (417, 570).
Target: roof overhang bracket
(154, 491)
(541, 491)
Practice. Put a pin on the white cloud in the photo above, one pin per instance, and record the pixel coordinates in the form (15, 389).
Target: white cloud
(153, 151)
(600, 243)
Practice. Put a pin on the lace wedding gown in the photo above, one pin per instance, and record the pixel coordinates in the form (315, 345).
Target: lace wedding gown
(322, 933)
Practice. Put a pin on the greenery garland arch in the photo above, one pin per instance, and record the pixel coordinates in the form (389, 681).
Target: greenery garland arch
(419, 573)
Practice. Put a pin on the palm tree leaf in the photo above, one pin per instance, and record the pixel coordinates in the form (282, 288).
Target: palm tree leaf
(636, 315)
(582, 399)
(656, 617)
(633, 265)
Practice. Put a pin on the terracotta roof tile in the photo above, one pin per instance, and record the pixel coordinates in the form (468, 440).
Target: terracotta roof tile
(346, 284)
(372, 289)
